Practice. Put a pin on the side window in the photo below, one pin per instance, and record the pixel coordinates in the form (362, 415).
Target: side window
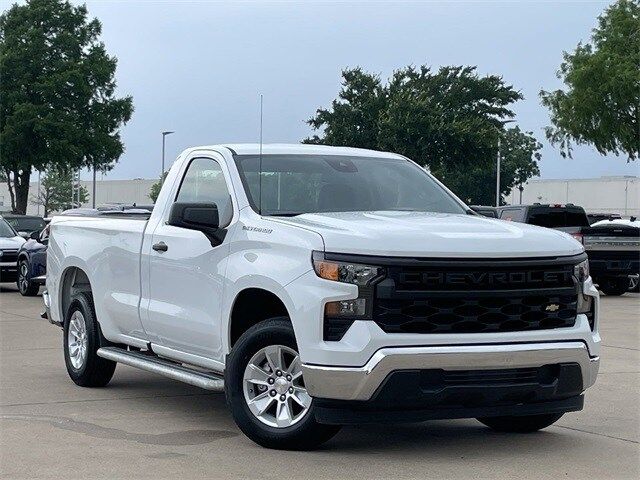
(204, 182)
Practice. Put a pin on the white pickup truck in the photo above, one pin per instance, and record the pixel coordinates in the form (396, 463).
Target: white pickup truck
(321, 286)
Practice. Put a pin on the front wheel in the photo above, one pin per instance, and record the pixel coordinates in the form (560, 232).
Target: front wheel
(614, 286)
(25, 285)
(266, 392)
(524, 424)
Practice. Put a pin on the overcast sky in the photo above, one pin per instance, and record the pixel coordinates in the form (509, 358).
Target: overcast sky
(198, 67)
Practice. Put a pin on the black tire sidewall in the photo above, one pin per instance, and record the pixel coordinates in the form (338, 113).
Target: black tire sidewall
(31, 288)
(82, 302)
(306, 433)
(615, 286)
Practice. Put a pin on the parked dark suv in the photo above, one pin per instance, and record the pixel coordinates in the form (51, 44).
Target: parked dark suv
(25, 225)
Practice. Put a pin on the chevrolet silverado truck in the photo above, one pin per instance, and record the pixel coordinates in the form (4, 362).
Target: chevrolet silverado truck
(613, 246)
(321, 286)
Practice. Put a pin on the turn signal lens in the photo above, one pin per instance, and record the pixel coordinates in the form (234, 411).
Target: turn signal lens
(327, 270)
(346, 308)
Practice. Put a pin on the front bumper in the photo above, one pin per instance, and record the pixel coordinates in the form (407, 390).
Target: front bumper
(361, 383)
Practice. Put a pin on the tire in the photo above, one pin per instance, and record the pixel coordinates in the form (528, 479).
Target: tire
(614, 286)
(634, 283)
(301, 432)
(81, 329)
(26, 287)
(524, 424)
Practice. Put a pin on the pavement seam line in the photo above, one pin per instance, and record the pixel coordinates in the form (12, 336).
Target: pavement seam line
(599, 434)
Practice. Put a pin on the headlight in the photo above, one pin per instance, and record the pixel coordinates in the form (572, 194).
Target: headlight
(581, 271)
(355, 273)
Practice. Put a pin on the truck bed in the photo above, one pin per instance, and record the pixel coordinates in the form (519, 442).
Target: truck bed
(109, 248)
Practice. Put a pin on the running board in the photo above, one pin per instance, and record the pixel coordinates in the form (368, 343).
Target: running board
(152, 363)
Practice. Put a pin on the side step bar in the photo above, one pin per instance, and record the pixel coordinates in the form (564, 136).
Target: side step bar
(152, 363)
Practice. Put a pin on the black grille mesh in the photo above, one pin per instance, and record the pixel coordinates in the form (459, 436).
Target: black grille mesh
(482, 298)
(469, 315)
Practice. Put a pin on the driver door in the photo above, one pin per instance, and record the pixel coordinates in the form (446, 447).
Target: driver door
(186, 273)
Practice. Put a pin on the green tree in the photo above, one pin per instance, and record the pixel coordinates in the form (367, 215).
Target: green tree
(601, 103)
(448, 121)
(58, 108)
(57, 192)
(155, 188)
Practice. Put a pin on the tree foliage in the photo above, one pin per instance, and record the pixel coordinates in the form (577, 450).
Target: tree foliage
(448, 121)
(58, 108)
(601, 103)
(57, 192)
(155, 188)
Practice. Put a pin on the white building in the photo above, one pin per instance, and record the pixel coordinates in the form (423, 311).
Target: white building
(597, 195)
(107, 191)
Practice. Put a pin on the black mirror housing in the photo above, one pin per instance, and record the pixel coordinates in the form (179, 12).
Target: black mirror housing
(35, 235)
(195, 216)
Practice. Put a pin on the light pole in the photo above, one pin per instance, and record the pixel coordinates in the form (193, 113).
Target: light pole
(164, 134)
(498, 159)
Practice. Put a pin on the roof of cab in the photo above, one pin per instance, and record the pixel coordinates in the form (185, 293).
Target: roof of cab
(297, 149)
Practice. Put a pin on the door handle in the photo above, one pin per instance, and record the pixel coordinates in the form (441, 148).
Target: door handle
(160, 247)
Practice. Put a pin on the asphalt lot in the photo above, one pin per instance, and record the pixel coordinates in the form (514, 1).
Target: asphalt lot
(145, 426)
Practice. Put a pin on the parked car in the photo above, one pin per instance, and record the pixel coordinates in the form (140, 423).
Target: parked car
(322, 286)
(485, 210)
(10, 242)
(25, 225)
(111, 207)
(596, 217)
(634, 279)
(32, 263)
(613, 246)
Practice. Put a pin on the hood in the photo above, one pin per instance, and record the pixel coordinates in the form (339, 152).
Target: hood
(422, 234)
(11, 242)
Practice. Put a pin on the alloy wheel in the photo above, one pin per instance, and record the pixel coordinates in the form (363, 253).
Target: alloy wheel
(77, 340)
(23, 277)
(274, 388)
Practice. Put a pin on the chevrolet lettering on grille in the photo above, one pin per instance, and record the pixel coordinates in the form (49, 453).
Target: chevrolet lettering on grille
(488, 278)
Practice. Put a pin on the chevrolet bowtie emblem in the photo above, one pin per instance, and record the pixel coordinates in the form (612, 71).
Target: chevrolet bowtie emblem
(552, 307)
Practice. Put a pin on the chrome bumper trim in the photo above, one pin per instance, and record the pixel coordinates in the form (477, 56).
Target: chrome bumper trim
(360, 383)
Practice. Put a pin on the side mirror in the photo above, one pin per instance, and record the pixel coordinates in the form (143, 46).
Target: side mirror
(195, 216)
(35, 235)
(24, 235)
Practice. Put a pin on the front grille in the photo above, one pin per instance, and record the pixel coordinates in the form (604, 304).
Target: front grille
(9, 256)
(476, 297)
(506, 313)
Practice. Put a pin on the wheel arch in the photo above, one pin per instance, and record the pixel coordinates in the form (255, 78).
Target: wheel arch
(250, 306)
(73, 280)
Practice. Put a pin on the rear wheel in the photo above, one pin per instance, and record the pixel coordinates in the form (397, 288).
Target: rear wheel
(524, 424)
(81, 341)
(634, 283)
(266, 392)
(614, 286)
(25, 285)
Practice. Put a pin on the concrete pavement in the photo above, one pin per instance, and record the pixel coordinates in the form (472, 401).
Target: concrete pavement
(146, 426)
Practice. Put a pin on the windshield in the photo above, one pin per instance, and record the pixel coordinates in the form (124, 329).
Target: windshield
(296, 184)
(5, 229)
(28, 224)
